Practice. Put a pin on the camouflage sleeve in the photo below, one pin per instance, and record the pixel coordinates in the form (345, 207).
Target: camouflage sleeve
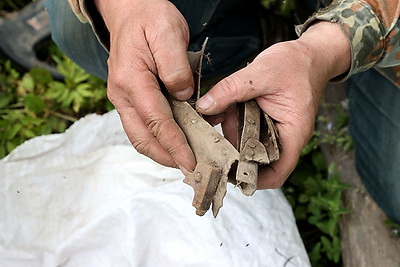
(372, 28)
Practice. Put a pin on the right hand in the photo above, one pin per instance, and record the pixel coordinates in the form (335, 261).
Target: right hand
(148, 40)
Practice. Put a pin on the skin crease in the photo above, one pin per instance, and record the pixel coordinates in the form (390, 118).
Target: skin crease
(287, 80)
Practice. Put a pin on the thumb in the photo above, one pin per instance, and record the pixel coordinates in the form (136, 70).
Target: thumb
(241, 86)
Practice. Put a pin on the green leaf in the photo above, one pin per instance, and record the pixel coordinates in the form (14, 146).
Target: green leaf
(318, 161)
(315, 254)
(3, 152)
(314, 219)
(10, 146)
(11, 131)
(336, 249)
(28, 83)
(80, 75)
(83, 90)
(303, 198)
(331, 168)
(301, 213)
(5, 100)
(34, 103)
(77, 103)
(328, 226)
(30, 120)
(41, 76)
(326, 243)
(27, 133)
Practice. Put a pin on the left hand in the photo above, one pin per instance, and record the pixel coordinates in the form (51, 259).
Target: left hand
(287, 81)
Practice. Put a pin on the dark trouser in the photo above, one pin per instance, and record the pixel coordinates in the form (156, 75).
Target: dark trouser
(232, 26)
(375, 128)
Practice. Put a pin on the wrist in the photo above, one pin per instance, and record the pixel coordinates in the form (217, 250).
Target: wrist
(110, 11)
(102, 6)
(329, 47)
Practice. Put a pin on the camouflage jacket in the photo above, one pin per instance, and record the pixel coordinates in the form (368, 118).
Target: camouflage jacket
(371, 26)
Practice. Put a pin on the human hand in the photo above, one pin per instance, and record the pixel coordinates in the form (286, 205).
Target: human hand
(287, 81)
(148, 40)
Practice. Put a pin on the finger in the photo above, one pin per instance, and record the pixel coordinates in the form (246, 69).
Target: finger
(141, 92)
(238, 87)
(142, 139)
(275, 174)
(215, 119)
(230, 125)
(154, 110)
(169, 46)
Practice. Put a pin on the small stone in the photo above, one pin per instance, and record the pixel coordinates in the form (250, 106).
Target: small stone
(251, 121)
(197, 177)
(216, 140)
(248, 157)
(251, 144)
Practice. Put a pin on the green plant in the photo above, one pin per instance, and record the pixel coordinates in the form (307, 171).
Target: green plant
(316, 200)
(334, 130)
(281, 7)
(314, 190)
(34, 103)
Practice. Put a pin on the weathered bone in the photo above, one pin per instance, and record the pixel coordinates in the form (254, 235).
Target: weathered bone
(209, 147)
(215, 155)
(204, 180)
(271, 138)
(252, 151)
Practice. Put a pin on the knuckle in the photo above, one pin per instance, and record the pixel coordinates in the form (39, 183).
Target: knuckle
(158, 126)
(111, 96)
(229, 88)
(116, 83)
(142, 146)
(163, 131)
(117, 79)
(177, 79)
(174, 150)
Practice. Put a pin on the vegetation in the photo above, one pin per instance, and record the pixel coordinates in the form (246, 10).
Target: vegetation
(314, 191)
(282, 7)
(33, 103)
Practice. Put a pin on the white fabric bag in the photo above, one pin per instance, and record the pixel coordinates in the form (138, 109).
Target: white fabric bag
(87, 198)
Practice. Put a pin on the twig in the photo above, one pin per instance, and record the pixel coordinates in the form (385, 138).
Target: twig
(63, 116)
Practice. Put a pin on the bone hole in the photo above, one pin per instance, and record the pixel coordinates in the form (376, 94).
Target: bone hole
(245, 173)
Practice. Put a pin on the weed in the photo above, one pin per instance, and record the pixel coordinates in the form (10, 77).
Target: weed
(35, 104)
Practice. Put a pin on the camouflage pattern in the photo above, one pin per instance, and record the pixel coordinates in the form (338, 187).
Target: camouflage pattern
(372, 28)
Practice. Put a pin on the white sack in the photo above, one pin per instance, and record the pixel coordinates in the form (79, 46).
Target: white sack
(87, 198)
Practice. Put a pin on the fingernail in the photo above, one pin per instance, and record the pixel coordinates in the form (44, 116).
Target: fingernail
(205, 102)
(184, 94)
(184, 170)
